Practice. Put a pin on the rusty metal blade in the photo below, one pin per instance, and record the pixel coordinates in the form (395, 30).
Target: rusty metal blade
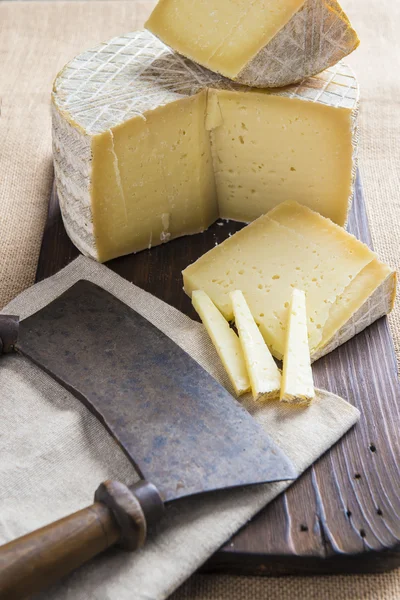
(183, 431)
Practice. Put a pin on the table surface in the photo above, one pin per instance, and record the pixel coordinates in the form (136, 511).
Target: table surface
(342, 515)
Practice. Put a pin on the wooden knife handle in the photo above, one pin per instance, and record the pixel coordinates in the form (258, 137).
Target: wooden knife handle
(120, 515)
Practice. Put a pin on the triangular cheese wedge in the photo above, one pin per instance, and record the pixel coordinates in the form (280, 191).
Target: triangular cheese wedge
(225, 341)
(297, 379)
(258, 43)
(264, 374)
(346, 286)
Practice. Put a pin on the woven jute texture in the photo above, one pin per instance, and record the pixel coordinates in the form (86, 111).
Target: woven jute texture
(36, 40)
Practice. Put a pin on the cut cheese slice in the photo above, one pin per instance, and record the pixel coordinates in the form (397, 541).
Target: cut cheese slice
(262, 43)
(297, 379)
(346, 286)
(265, 377)
(225, 340)
(149, 146)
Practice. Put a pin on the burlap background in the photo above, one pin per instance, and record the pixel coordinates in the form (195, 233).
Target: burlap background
(36, 39)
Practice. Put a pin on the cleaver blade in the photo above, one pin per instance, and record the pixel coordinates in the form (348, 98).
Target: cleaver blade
(181, 429)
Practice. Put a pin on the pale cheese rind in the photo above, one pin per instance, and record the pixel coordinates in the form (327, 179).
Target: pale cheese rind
(225, 340)
(297, 379)
(259, 44)
(318, 36)
(347, 287)
(369, 307)
(265, 377)
(136, 154)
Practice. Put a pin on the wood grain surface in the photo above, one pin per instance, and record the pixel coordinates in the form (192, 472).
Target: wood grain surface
(343, 514)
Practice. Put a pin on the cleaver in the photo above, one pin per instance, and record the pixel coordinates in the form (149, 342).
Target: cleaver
(184, 433)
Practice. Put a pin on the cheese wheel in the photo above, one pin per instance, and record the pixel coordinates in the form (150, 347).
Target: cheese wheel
(149, 146)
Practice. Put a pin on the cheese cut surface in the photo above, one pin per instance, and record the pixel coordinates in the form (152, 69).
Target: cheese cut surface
(273, 153)
(149, 146)
(346, 286)
(264, 374)
(261, 43)
(297, 379)
(225, 340)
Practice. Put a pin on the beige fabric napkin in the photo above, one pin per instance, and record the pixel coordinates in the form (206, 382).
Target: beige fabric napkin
(54, 454)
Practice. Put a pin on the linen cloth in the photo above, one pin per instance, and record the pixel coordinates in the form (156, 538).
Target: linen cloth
(36, 40)
(54, 453)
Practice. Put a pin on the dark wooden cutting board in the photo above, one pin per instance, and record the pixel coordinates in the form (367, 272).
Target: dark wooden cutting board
(343, 514)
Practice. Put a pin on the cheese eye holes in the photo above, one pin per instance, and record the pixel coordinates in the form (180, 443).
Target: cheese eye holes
(261, 315)
(286, 304)
(260, 286)
(241, 272)
(276, 276)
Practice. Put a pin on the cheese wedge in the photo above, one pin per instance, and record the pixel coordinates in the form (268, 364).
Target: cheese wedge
(297, 379)
(225, 341)
(264, 374)
(346, 286)
(263, 43)
(148, 146)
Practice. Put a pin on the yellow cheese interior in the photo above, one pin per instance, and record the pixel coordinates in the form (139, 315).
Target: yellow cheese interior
(269, 149)
(236, 155)
(267, 259)
(225, 340)
(223, 35)
(297, 379)
(264, 374)
(152, 179)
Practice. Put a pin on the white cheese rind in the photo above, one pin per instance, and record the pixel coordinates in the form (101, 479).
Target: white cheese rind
(379, 304)
(130, 77)
(264, 374)
(225, 341)
(72, 158)
(297, 379)
(318, 36)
